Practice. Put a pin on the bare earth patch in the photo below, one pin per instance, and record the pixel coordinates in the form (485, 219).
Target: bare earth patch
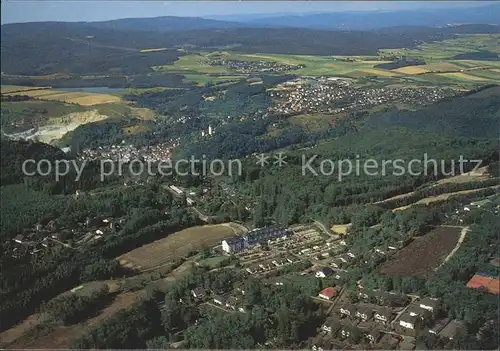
(424, 254)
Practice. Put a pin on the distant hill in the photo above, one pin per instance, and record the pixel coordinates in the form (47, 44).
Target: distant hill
(373, 20)
(165, 23)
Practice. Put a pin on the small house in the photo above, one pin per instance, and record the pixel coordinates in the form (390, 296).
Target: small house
(374, 336)
(408, 321)
(429, 304)
(383, 315)
(198, 293)
(219, 300)
(19, 239)
(348, 310)
(364, 313)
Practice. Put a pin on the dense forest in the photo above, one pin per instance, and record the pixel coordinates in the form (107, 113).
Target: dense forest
(28, 282)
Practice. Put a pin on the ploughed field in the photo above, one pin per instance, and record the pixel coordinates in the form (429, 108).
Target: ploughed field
(423, 254)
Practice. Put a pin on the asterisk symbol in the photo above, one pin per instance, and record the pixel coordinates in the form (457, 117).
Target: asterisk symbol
(280, 159)
(262, 160)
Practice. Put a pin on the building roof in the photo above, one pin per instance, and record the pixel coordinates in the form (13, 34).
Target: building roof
(427, 301)
(198, 291)
(405, 317)
(416, 309)
(326, 270)
(451, 329)
(490, 284)
(329, 292)
(386, 312)
(234, 239)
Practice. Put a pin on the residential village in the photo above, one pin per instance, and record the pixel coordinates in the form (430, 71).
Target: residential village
(359, 316)
(259, 66)
(334, 95)
(126, 153)
(42, 237)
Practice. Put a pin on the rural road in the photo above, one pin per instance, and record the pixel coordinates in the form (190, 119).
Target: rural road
(463, 233)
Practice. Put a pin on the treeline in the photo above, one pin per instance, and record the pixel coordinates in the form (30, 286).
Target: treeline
(434, 190)
(73, 308)
(114, 80)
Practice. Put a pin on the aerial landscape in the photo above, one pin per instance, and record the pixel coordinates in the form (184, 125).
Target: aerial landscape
(250, 175)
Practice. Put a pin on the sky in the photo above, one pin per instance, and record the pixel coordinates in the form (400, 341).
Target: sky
(15, 11)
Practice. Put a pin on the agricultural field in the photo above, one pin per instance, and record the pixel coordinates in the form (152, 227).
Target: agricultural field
(177, 245)
(447, 49)
(314, 65)
(78, 98)
(427, 68)
(463, 76)
(423, 254)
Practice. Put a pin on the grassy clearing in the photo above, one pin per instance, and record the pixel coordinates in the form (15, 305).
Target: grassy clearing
(341, 228)
(311, 122)
(132, 130)
(176, 246)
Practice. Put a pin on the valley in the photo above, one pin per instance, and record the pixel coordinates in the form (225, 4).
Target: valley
(334, 231)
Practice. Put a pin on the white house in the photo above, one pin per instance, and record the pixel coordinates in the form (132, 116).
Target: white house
(324, 272)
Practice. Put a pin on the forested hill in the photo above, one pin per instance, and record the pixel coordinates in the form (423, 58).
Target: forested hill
(14, 153)
(460, 117)
(50, 47)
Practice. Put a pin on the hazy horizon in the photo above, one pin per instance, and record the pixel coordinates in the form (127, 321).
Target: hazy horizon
(18, 11)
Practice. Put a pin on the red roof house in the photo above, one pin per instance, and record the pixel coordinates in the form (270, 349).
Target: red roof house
(490, 284)
(328, 293)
